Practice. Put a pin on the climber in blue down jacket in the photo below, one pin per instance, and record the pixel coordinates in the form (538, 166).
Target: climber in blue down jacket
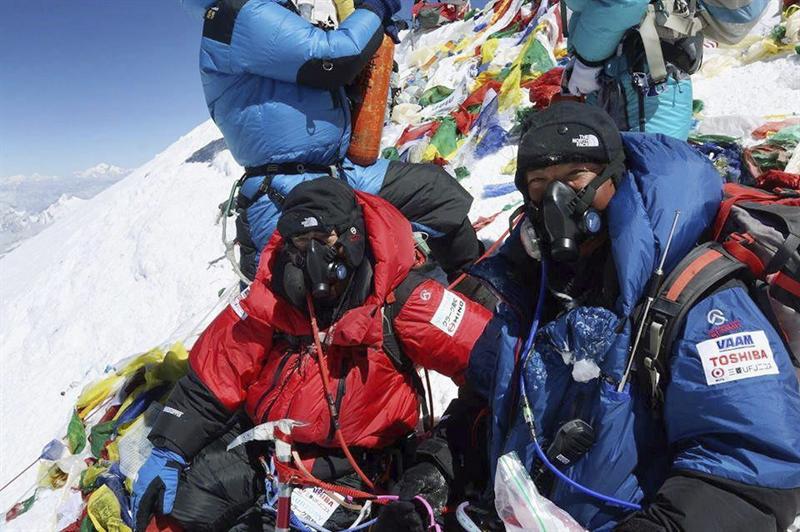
(275, 85)
(721, 451)
(626, 60)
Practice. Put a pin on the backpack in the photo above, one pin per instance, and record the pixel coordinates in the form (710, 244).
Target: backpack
(676, 28)
(755, 241)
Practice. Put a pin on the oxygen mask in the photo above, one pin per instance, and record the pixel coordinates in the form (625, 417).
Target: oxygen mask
(560, 222)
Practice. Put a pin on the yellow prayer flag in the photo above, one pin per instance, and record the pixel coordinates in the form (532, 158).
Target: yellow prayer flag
(104, 510)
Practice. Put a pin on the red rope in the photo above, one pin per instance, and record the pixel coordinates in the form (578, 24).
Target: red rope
(297, 477)
(323, 369)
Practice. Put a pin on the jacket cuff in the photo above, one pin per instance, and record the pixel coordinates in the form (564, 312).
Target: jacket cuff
(192, 417)
(588, 63)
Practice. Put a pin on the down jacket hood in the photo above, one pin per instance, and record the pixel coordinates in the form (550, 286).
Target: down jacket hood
(392, 249)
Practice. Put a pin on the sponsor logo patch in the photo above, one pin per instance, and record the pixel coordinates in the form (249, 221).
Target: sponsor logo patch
(725, 328)
(736, 356)
(313, 505)
(450, 312)
(586, 141)
(715, 317)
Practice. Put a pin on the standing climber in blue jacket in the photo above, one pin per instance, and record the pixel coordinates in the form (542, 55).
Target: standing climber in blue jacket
(275, 85)
(718, 452)
(634, 58)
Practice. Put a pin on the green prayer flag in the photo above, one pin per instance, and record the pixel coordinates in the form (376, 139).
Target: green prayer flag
(99, 435)
(87, 525)
(76, 434)
(434, 95)
(390, 153)
(445, 138)
(536, 58)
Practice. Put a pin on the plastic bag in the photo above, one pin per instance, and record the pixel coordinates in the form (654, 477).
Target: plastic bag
(520, 505)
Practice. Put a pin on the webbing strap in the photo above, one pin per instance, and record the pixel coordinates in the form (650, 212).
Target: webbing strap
(735, 247)
(787, 249)
(684, 22)
(703, 268)
(690, 273)
(391, 345)
(652, 46)
(787, 283)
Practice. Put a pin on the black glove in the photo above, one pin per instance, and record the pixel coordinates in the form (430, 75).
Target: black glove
(408, 514)
(399, 516)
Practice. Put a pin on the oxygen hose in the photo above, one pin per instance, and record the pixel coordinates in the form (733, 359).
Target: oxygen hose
(527, 412)
(323, 369)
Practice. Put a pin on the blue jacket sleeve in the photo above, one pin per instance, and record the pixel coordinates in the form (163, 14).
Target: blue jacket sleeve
(732, 405)
(270, 40)
(597, 26)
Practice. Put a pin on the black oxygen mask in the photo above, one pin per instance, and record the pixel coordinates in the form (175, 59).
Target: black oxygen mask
(562, 220)
(323, 269)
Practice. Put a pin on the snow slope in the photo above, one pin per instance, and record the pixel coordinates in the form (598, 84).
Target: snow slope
(129, 270)
(136, 266)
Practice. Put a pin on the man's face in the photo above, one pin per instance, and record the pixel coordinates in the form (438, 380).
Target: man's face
(303, 241)
(574, 175)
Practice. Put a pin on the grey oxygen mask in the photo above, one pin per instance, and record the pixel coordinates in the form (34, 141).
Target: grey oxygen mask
(561, 221)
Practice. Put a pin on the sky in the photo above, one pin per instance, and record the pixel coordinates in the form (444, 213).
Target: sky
(90, 81)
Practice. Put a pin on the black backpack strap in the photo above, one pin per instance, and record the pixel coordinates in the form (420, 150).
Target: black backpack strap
(391, 345)
(703, 270)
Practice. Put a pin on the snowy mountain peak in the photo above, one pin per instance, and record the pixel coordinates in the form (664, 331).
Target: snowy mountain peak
(102, 170)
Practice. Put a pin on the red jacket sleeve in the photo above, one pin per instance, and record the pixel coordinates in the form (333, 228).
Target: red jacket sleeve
(437, 328)
(229, 354)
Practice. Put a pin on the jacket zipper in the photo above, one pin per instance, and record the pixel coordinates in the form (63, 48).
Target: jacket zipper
(281, 365)
(341, 389)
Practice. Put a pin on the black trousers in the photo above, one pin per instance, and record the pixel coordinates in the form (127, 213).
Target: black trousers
(427, 195)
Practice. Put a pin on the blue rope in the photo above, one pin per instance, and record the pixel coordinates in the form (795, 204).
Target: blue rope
(528, 415)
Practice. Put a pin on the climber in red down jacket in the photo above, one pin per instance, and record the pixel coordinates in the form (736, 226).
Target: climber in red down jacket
(380, 313)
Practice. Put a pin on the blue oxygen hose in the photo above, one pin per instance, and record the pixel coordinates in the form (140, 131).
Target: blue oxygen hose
(527, 413)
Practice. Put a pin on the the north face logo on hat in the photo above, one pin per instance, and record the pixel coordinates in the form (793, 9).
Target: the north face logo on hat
(309, 222)
(586, 141)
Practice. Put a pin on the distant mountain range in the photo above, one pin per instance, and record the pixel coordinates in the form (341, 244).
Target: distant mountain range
(28, 204)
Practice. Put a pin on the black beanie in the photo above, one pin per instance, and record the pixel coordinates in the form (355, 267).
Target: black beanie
(324, 204)
(320, 204)
(568, 132)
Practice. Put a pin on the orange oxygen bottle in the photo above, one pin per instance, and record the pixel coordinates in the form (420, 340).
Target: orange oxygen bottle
(368, 117)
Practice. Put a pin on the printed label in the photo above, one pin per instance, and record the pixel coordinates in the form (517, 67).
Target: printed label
(737, 356)
(174, 411)
(313, 505)
(450, 313)
(236, 304)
